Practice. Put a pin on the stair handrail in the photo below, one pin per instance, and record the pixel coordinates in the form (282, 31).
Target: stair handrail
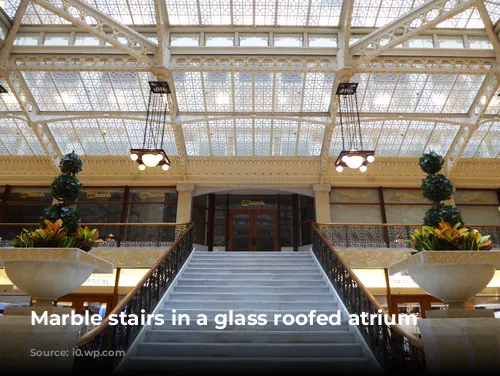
(390, 343)
(162, 272)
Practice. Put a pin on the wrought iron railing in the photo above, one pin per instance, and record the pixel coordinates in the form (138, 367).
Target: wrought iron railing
(387, 235)
(117, 234)
(113, 339)
(396, 350)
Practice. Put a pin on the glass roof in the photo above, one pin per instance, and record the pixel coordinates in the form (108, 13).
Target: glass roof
(485, 142)
(105, 136)
(253, 137)
(254, 12)
(89, 91)
(493, 7)
(270, 102)
(253, 92)
(17, 138)
(420, 93)
(401, 138)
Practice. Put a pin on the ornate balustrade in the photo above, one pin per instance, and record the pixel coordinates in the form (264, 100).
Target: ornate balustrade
(396, 350)
(385, 235)
(114, 234)
(143, 299)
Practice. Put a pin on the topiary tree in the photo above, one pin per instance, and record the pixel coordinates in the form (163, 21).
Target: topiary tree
(66, 189)
(437, 188)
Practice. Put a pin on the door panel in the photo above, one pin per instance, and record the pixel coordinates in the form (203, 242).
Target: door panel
(264, 231)
(253, 230)
(241, 233)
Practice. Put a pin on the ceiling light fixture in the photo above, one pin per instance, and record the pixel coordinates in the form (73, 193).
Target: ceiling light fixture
(152, 154)
(352, 155)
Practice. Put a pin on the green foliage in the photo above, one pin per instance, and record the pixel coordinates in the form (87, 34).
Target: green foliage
(66, 188)
(24, 239)
(71, 164)
(67, 214)
(448, 213)
(449, 238)
(431, 163)
(437, 188)
(87, 238)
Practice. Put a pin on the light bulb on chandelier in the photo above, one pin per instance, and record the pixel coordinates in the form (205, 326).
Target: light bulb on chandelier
(354, 161)
(150, 160)
(363, 168)
(134, 156)
(370, 159)
(339, 168)
(142, 167)
(165, 167)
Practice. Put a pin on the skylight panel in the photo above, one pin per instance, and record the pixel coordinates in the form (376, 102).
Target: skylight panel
(263, 93)
(317, 92)
(292, 12)
(421, 93)
(8, 101)
(451, 41)
(284, 142)
(196, 139)
(244, 137)
(18, 138)
(243, 94)
(476, 139)
(262, 137)
(89, 91)
(265, 12)
(218, 91)
(189, 91)
(416, 138)
(310, 139)
(182, 12)
(52, 39)
(494, 105)
(480, 43)
(36, 15)
(423, 41)
(127, 12)
(468, 19)
(288, 92)
(10, 7)
(325, 13)
(215, 12)
(441, 139)
(490, 148)
(391, 137)
(493, 7)
(377, 13)
(222, 137)
(463, 93)
(243, 12)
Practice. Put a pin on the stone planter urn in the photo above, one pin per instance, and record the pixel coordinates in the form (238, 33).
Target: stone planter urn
(45, 274)
(452, 276)
(49, 273)
(456, 340)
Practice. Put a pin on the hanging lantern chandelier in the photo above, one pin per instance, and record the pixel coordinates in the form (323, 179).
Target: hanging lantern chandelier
(152, 154)
(352, 154)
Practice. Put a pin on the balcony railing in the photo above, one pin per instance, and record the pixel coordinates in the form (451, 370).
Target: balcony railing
(144, 297)
(397, 351)
(387, 235)
(114, 234)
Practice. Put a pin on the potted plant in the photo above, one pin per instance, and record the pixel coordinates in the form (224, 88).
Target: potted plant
(53, 260)
(452, 263)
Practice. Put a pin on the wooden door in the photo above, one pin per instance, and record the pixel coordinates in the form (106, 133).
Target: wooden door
(253, 230)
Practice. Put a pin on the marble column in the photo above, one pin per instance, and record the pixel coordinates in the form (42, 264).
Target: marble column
(184, 204)
(322, 202)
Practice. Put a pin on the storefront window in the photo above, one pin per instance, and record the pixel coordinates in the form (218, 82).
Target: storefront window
(478, 207)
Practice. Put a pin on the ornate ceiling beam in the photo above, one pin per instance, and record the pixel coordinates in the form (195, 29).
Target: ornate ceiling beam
(406, 27)
(79, 63)
(93, 21)
(11, 36)
(18, 87)
(488, 26)
(343, 74)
